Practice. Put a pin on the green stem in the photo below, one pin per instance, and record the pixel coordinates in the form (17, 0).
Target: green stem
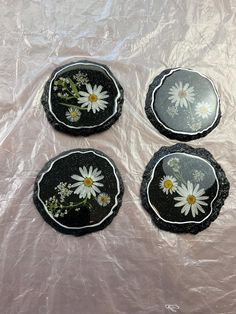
(73, 106)
(67, 98)
(74, 205)
(190, 110)
(74, 88)
(180, 177)
(73, 96)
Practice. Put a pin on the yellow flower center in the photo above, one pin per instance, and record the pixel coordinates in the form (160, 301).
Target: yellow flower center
(93, 98)
(191, 199)
(204, 109)
(73, 114)
(104, 199)
(88, 181)
(168, 184)
(182, 94)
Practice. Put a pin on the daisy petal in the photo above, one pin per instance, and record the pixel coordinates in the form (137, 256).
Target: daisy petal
(89, 88)
(86, 95)
(76, 177)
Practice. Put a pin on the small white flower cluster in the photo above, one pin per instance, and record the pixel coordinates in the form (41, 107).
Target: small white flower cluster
(81, 78)
(172, 111)
(195, 125)
(64, 79)
(61, 83)
(63, 190)
(198, 175)
(62, 95)
(54, 207)
(52, 203)
(60, 213)
(55, 87)
(174, 164)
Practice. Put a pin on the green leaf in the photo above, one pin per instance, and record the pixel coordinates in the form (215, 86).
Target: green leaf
(74, 88)
(72, 106)
(59, 83)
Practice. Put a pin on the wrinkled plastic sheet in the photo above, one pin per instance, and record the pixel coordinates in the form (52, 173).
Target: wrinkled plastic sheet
(131, 266)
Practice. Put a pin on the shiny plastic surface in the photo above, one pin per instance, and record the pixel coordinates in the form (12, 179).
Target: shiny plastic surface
(131, 266)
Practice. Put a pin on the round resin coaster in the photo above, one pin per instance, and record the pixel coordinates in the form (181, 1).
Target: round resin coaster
(79, 191)
(82, 98)
(183, 188)
(183, 104)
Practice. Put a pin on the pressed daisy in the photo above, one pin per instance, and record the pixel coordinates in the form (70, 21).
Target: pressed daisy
(203, 110)
(93, 99)
(181, 94)
(103, 199)
(168, 184)
(73, 114)
(87, 183)
(191, 198)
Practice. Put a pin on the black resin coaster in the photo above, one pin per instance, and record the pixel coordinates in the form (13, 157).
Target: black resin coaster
(82, 98)
(183, 104)
(183, 188)
(79, 191)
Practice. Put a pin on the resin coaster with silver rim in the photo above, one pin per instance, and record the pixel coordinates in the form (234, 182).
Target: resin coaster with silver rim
(79, 191)
(183, 188)
(82, 98)
(183, 104)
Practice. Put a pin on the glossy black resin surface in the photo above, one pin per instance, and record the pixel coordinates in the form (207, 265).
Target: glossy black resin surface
(183, 104)
(82, 98)
(79, 191)
(183, 188)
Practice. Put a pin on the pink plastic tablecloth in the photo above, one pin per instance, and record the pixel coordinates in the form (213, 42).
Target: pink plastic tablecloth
(131, 266)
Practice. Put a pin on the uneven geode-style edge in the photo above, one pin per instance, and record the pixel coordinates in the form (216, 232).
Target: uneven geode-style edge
(76, 232)
(159, 126)
(217, 204)
(82, 131)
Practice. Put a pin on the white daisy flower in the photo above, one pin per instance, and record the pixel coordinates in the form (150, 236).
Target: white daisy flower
(93, 99)
(203, 110)
(191, 198)
(103, 199)
(73, 114)
(181, 94)
(168, 184)
(87, 184)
